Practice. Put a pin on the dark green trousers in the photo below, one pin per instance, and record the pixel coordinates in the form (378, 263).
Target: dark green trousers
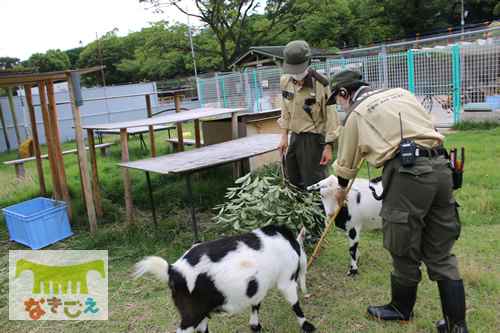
(302, 160)
(420, 220)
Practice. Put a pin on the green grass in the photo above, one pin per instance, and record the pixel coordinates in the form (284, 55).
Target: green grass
(335, 302)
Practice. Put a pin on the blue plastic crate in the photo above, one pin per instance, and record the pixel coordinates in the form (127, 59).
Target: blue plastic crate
(38, 222)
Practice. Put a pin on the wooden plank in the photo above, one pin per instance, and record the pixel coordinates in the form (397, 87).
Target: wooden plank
(136, 130)
(54, 122)
(82, 159)
(36, 142)
(49, 141)
(127, 184)
(209, 156)
(95, 173)
(166, 119)
(66, 152)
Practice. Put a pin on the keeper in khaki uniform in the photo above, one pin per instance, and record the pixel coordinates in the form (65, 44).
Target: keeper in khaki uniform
(314, 126)
(419, 212)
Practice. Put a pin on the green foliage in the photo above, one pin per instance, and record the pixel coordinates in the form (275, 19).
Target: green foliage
(261, 199)
(8, 62)
(113, 51)
(73, 55)
(51, 61)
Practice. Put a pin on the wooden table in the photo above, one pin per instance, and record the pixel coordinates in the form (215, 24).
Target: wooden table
(134, 131)
(178, 118)
(191, 161)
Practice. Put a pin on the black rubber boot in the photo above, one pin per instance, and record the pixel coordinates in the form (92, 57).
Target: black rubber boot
(453, 303)
(401, 306)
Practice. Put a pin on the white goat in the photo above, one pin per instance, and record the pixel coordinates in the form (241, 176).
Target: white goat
(232, 274)
(361, 211)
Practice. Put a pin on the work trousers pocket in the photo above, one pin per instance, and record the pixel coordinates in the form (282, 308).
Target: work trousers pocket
(396, 230)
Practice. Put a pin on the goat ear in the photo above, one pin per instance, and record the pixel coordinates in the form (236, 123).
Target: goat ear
(302, 236)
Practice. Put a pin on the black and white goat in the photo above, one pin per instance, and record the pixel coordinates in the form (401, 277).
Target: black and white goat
(361, 210)
(232, 274)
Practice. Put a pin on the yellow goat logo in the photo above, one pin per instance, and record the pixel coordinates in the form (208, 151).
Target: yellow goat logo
(60, 275)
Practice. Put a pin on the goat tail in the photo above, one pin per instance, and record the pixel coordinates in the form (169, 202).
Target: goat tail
(154, 265)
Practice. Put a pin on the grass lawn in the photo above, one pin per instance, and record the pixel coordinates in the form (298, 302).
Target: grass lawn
(334, 301)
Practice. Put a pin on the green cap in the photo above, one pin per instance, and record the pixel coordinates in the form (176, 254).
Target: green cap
(340, 79)
(297, 55)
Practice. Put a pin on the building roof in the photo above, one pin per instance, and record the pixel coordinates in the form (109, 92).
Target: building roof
(33, 78)
(272, 56)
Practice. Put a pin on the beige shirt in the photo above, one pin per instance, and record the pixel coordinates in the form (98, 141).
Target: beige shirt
(372, 129)
(293, 116)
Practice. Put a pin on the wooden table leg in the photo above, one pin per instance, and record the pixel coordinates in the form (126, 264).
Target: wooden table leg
(95, 173)
(191, 203)
(151, 202)
(127, 184)
(234, 127)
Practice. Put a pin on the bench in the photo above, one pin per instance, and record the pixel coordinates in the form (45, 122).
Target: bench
(174, 143)
(19, 164)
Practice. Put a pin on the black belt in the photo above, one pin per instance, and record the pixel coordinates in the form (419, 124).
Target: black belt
(428, 152)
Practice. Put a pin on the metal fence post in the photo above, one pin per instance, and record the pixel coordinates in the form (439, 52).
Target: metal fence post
(456, 82)
(411, 71)
(223, 91)
(202, 98)
(256, 91)
(384, 76)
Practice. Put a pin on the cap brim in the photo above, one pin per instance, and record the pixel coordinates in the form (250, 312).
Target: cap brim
(295, 69)
(331, 100)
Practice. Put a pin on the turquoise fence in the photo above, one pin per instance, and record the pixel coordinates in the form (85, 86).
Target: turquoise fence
(446, 79)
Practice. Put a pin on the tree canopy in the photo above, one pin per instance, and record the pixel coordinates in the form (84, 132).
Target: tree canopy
(230, 28)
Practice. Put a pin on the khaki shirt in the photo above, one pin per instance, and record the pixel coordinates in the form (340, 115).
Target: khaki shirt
(372, 129)
(293, 116)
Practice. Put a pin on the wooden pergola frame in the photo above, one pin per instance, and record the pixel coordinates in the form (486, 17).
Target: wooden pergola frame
(51, 126)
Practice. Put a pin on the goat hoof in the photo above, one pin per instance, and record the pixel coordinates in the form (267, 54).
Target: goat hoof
(256, 328)
(352, 272)
(308, 327)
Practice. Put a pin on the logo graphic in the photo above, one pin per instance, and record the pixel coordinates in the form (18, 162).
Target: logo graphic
(58, 285)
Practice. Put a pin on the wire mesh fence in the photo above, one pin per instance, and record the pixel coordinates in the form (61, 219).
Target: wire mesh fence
(445, 79)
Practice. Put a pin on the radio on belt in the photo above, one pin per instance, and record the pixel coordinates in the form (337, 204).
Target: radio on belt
(407, 148)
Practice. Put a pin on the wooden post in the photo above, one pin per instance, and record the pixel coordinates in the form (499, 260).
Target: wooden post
(234, 130)
(197, 136)
(179, 124)
(127, 185)
(82, 158)
(14, 117)
(5, 132)
(95, 173)
(36, 142)
(48, 138)
(57, 145)
(151, 128)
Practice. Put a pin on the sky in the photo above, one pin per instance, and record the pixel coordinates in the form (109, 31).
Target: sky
(35, 26)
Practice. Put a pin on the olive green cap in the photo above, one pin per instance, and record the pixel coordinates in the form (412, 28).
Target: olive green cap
(297, 55)
(340, 79)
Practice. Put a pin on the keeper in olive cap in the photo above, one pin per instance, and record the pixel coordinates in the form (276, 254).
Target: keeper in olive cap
(341, 79)
(312, 126)
(390, 129)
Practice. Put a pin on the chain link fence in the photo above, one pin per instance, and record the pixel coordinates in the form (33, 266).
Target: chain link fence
(447, 79)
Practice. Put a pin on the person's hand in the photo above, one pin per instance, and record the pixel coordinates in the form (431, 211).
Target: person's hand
(341, 197)
(282, 147)
(326, 157)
